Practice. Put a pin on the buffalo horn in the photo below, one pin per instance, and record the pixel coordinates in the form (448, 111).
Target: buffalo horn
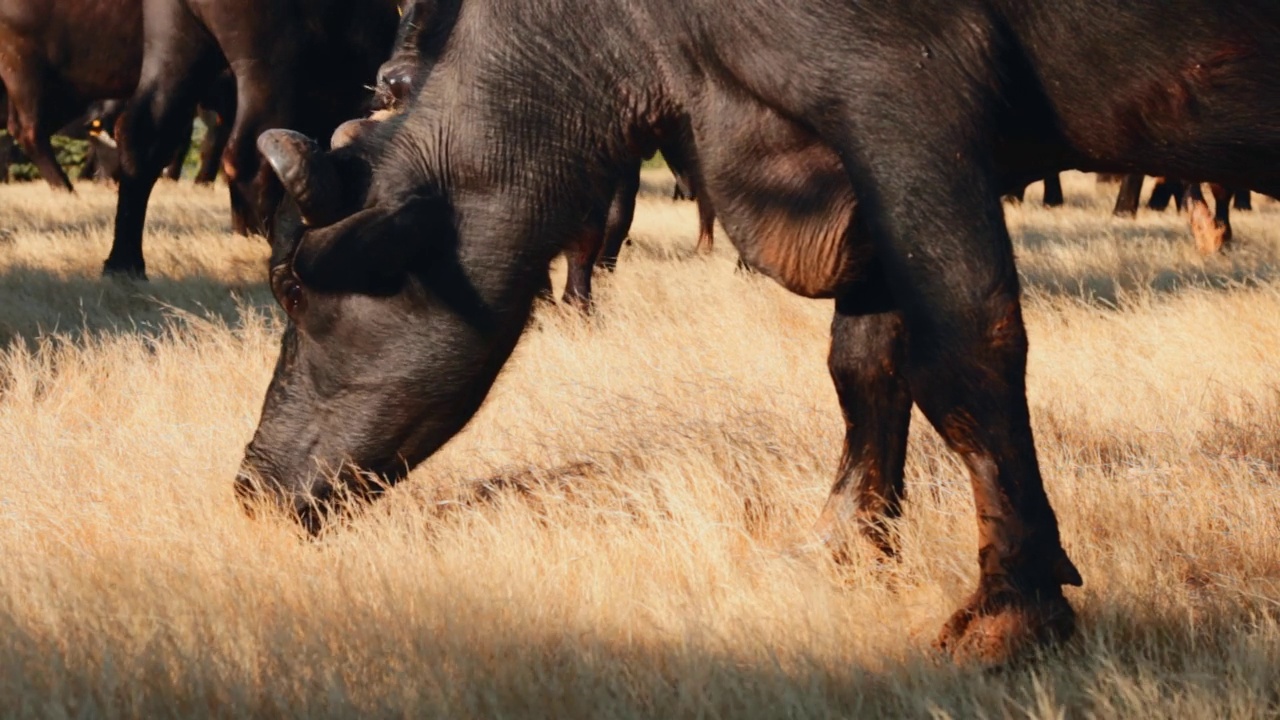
(307, 175)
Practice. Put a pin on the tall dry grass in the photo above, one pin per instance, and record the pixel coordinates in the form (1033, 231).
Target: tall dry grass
(664, 461)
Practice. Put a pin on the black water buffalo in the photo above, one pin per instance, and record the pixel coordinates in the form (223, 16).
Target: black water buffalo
(408, 260)
(58, 57)
(302, 64)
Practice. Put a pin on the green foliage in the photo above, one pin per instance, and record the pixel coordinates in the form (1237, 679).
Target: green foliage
(657, 161)
(71, 155)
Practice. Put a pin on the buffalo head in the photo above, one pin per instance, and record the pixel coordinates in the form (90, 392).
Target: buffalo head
(389, 348)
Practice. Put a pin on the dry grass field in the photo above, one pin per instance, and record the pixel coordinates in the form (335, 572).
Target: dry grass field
(624, 529)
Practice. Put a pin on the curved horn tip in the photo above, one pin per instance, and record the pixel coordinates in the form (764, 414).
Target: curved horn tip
(285, 150)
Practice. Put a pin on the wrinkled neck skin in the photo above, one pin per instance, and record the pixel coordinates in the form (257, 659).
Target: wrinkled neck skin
(381, 382)
(523, 173)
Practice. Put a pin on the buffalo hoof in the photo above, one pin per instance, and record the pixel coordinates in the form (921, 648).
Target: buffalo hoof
(997, 627)
(124, 271)
(1211, 234)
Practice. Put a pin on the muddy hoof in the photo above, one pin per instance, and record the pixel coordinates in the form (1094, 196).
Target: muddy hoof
(996, 628)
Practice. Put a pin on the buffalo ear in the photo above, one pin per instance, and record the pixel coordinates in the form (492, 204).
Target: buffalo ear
(372, 251)
(307, 174)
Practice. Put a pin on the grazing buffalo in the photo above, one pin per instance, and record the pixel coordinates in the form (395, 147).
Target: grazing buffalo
(408, 261)
(58, 57)
(1211, 230)
(302, 64)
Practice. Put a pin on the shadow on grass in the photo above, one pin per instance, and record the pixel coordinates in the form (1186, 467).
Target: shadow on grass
(1108, 290)
(490, 658)
(99, 224)
(1034, 236)
(35, 302)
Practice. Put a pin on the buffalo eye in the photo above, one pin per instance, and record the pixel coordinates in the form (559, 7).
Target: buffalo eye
(289, 292)
(294, 298)
(399, 86)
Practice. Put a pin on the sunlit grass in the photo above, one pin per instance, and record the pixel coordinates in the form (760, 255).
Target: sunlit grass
(663, 461)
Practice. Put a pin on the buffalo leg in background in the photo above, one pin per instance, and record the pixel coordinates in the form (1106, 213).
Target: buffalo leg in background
(1211, 230)
(600, 245)
(217, 132)
(89, 170)
(681, 191)
(155, 124)
(581, 254)
(1129, 196)
(684, 166)
(622, 211)
(1167, 189)
(706, 223)
(173, 171)
(255, 192)
(868, 351)
(1053, 191)
(31, 130)
(6, 157)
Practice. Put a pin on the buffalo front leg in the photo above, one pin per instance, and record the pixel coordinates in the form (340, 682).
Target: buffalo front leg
(966, 366)
(156, 121)
(952, 274)
(868, 347)
(148, 132)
